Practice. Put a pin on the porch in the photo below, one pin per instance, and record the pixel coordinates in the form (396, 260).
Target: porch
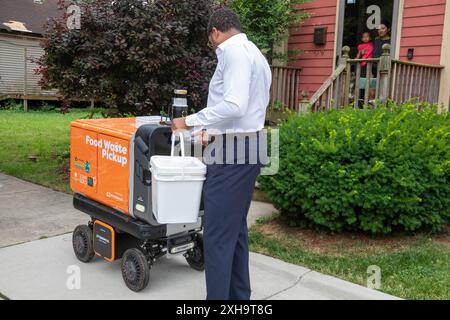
(385, 79)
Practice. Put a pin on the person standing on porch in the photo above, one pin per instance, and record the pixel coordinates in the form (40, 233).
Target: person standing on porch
(365, 50)
(238, 98)
(384, 37)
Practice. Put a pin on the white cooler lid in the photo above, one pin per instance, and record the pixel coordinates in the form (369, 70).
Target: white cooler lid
(166, 165)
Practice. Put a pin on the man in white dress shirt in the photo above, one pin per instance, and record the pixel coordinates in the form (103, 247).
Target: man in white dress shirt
(234, 117)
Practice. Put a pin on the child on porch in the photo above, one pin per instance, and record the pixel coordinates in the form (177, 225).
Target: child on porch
(365, 51)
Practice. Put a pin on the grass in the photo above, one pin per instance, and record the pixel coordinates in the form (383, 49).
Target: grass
(415, 267)
(41, 134)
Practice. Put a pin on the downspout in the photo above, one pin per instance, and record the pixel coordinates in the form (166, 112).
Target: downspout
(444, 92)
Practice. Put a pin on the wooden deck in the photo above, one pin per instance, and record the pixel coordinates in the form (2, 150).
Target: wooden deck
(384, 79)
(285, 87)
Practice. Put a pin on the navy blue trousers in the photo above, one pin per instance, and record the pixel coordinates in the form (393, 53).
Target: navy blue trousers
(228, 193)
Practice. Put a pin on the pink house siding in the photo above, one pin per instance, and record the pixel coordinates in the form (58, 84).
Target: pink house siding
(316, 61)
(422, 29)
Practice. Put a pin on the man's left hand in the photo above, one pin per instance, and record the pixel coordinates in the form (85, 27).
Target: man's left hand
(179, 124)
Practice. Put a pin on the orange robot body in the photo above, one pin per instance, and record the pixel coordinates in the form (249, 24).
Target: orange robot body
(100, 160)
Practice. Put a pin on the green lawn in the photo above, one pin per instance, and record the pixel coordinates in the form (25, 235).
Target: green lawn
(41, 134)
(411, 267)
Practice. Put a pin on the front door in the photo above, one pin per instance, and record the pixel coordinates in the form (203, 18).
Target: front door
(359, 16)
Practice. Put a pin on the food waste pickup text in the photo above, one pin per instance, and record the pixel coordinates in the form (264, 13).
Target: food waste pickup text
(111, 151)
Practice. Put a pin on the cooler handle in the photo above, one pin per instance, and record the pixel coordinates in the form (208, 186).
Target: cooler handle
(180, 134)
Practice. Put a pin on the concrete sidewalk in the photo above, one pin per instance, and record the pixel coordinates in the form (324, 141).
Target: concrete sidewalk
(39, 269)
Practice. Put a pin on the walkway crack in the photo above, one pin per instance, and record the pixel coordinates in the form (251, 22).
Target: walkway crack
(290, 287)
(17, 192)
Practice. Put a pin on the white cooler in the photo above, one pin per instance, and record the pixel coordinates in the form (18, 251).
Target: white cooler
(177, 184)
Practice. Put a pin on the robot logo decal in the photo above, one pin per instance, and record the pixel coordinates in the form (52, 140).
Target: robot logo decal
(87, 167)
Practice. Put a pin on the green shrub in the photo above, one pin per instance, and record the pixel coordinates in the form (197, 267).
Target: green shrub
(12, 105)
(267, 22)
(375, 171)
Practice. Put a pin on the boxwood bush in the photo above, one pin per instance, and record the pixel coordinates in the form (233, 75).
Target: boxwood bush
(375, 171)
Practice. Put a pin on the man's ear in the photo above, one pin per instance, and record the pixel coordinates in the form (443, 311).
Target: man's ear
(215, 33)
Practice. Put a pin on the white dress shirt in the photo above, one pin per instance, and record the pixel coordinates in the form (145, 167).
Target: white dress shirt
(239, 90)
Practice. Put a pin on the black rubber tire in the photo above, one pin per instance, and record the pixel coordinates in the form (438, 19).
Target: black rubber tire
(82, 242)
(195, 257)
(135, 269)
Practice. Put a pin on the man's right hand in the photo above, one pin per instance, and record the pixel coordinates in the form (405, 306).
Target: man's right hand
(179, 124)
(202, 136)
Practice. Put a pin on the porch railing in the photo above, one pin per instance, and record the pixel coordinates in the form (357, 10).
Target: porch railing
(381, 79)
(285, 86)
(413, 80)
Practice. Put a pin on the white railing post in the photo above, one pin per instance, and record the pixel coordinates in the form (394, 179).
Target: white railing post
(305, 106)
(385, 73)
(347, 74)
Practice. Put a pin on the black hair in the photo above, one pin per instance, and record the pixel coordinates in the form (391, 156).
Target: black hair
(224, 20)
(368, 32)
(386, 23)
